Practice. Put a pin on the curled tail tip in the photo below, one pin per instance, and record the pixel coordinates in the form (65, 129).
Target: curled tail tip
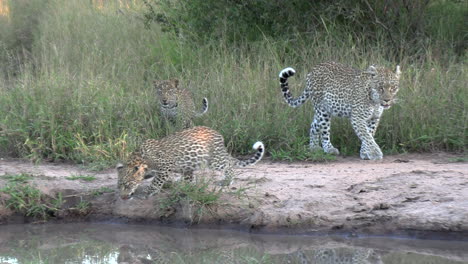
(287, 72)
(260, 151)
(259, 146)
(205, 105)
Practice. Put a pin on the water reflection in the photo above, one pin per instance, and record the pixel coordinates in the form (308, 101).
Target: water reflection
(135, 244)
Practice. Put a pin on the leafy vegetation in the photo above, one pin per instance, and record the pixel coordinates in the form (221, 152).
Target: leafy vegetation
(200, 195)
(302, 152)
(17, 178)
(30, 201)
(459, 159)
(76, 82)
(404, 26)
(24, 198)
(83, 207)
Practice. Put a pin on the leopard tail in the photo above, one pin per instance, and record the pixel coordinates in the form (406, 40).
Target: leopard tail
(256, 158)
(284, 75)
(204, 108)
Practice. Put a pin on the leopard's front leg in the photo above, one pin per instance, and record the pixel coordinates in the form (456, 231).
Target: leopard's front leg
(369, 148)
(157, 183)
(373, 121)
(229, 175)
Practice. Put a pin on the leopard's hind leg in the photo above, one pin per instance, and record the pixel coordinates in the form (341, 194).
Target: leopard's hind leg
(320, 128)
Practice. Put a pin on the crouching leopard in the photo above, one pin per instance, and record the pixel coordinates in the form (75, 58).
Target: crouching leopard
(176, 103)
(182, 152)
(339, 90)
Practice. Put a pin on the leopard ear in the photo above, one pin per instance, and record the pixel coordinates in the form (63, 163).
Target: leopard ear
(119, 166)
(398, 72)
(175, 82)
(371, 70)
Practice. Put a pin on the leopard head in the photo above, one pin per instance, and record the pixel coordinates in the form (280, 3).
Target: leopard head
(131, 174)
(166, 91)
(385, 84)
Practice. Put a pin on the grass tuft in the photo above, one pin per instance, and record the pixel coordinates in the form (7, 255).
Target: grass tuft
(87, 178)
(199, 195)
(459, 159)
(101, 191)
(18, 178)
(304, 154)
(29, 201)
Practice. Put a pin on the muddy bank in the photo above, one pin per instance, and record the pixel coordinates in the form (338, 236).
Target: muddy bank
(397, 195)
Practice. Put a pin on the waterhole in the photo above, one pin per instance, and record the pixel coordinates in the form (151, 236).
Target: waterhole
(134, 244)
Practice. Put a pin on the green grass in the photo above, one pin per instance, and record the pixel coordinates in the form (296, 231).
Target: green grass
(27, 199)
(84, 92)
(459, 159)
(83, 207)
(199, 195)
(199, 192)
(87, 178)
(101, 191)
(30, 201)
(302, 153)
(17, 178)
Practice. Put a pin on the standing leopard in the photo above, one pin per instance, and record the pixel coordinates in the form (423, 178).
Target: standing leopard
(182, 152)
(339, 90)
(176, 103)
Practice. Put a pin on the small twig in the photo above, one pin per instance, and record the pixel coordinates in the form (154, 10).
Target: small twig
(377, 21)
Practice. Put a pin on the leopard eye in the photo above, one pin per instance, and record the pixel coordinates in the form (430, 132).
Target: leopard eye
(135, 168)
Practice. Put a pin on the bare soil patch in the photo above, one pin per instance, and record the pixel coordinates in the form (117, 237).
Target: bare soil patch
(401, 193)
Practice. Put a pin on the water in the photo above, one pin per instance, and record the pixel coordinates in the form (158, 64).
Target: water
(140, 244)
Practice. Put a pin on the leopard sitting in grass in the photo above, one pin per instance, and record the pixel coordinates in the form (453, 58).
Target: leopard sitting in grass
(182, 152)
(339, 90)
(176, 104)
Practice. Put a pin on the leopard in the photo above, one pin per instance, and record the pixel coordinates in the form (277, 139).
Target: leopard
(339, 90)
(182, 153)
(176, 104)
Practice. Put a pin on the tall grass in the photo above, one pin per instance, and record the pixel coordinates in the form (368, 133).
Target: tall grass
(85, 92)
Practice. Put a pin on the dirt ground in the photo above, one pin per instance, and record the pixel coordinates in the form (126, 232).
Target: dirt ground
(401, 194)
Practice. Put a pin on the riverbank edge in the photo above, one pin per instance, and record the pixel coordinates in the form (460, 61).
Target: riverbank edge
(8, 217)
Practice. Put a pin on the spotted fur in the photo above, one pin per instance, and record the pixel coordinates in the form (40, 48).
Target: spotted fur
(176, 103)
(339, 90)
(182, 152)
